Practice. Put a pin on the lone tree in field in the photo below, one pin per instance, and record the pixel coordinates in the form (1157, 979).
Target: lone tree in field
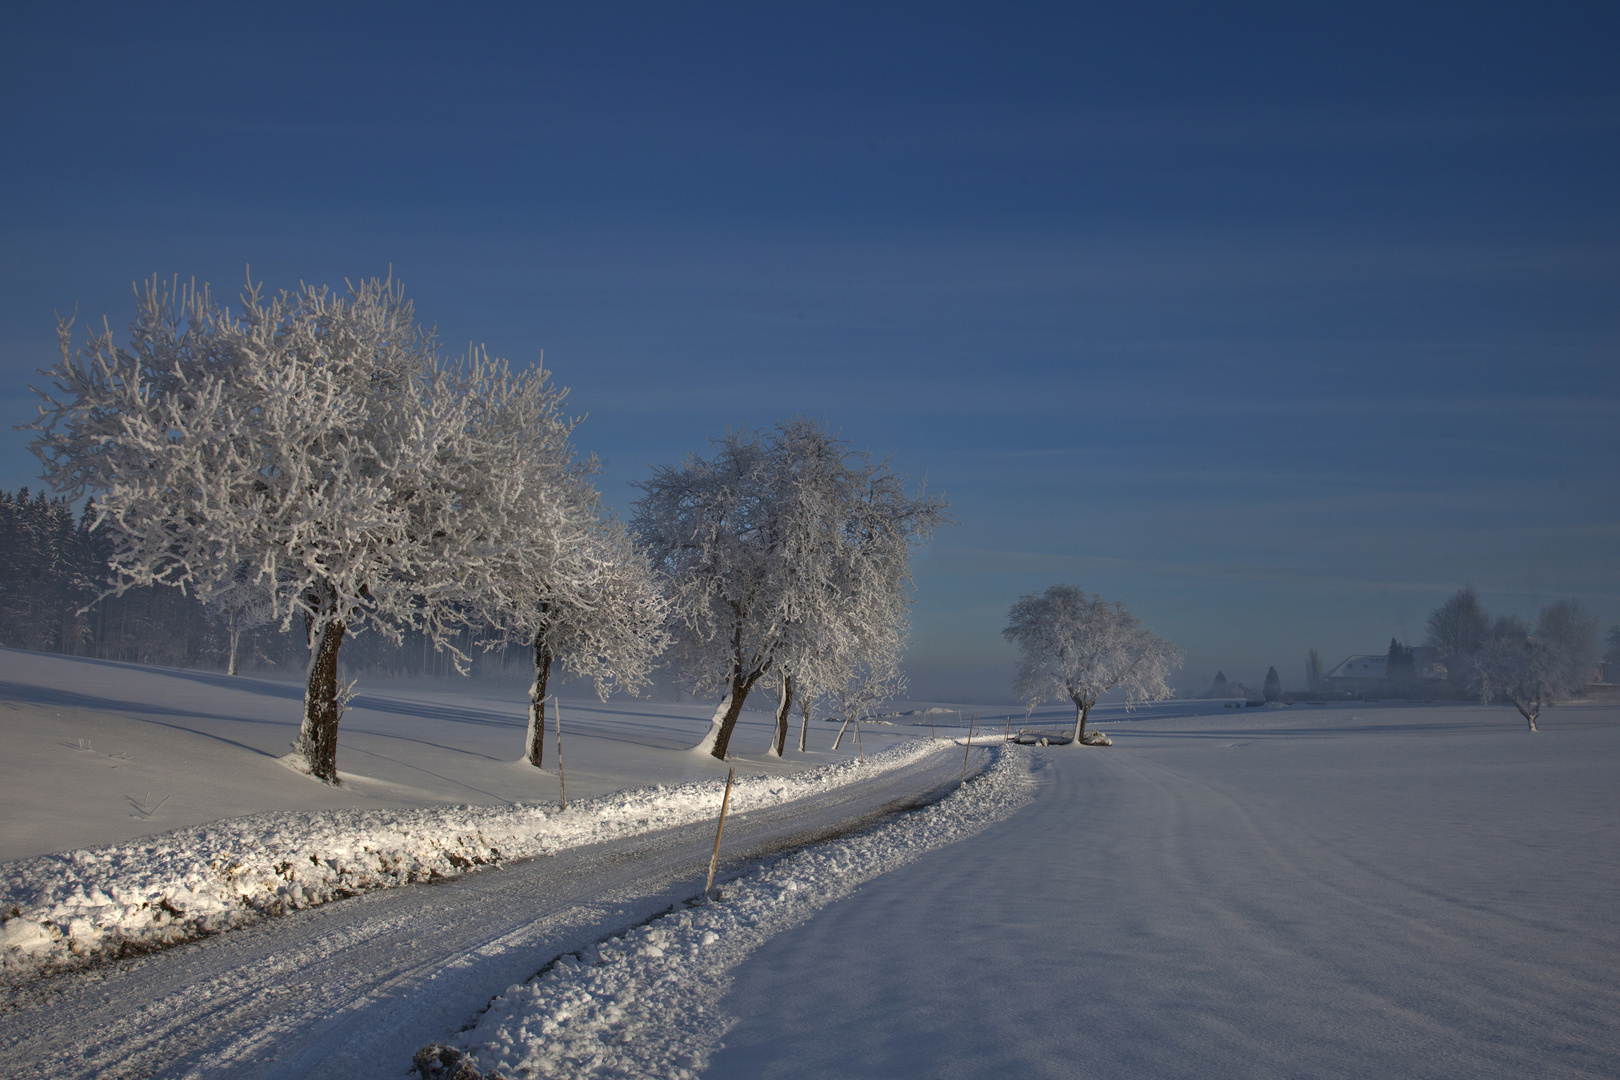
(1079, 646)
(1506, 660)
(301, 452)
(1527, 671)
(788, 558)
(541, 563)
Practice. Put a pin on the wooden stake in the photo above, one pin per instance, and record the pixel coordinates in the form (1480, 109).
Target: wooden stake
(858, 745)
(966, 750)
(714, 860)
(556, 722)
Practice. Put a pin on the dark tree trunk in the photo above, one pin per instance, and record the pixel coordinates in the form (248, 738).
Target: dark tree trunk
(783, 707)
(734, 703)
(317, 740)
(537, 701)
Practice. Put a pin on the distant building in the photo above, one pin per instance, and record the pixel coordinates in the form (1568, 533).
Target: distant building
(1363, 671)
(1229, 690)
(1370, 671)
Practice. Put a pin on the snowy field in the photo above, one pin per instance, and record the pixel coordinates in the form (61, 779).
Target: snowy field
(1303, 892)
(144, 750)
(1401, 890)
(148, 806)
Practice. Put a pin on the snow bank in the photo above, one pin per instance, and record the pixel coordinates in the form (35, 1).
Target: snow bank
(63, 909)
(645, 1003)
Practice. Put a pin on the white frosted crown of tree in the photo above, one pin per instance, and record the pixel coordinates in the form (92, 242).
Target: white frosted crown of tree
(788, 556)
(1078, 646)
(291, 451)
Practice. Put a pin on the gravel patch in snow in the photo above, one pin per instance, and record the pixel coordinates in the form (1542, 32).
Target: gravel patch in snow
(67, 909)
(646, 1003)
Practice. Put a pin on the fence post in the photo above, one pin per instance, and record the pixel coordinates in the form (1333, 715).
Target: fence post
(556, 721)
(714, 860)
(968, 749)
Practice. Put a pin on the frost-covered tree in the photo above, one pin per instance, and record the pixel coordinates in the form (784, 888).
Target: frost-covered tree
(241, 607)
(306, 439)
(868, 687)
(1457, 629)
(1522, 668)
(1079, 646)
(1568, 627)
(852, 528)
(788, 558)
(540, 562)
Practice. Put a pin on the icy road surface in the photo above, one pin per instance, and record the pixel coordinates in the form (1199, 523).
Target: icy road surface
(352, 988)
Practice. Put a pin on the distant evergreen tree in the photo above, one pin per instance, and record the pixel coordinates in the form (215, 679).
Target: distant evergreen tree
(1220, 688)
(1272, 691)
(1400, 664)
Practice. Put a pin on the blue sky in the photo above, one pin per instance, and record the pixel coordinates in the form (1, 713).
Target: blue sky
(1276, 322)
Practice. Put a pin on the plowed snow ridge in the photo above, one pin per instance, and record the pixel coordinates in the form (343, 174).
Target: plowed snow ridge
(66, 909)
(645, 1003)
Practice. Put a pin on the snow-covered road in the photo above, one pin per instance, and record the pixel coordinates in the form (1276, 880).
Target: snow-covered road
(352, 988)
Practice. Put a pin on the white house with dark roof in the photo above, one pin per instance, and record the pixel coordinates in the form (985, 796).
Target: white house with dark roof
(1363, 671)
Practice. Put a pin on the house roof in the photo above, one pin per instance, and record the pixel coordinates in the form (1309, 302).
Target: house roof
(1361, 666)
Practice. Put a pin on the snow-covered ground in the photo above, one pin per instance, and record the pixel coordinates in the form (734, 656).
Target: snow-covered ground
(1302, 892)
(646, 1002)
(98, 751)
(1413, 890)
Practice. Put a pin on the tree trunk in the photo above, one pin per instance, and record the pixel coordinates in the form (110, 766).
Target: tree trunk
(236, 638)
(535, 750)
(317, 740)
(844, 727)
(783, 707)
(718, 740)
(1081, 708)
(804, 727)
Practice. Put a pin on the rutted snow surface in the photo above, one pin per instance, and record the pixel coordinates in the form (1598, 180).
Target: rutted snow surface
(644, 1004)
(61, 910)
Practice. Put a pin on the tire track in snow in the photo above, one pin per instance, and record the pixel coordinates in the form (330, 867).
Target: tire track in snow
(351, 988)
